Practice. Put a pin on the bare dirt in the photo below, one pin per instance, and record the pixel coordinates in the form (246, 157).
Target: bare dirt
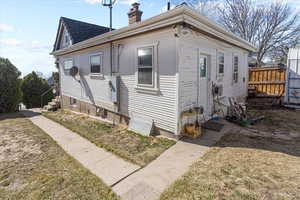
(34, 167)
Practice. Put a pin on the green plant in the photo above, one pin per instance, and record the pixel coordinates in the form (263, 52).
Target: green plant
(33, 87)
(10, 93)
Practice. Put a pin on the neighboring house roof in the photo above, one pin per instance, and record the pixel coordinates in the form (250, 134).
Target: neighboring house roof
(180, 14)
(79, 31)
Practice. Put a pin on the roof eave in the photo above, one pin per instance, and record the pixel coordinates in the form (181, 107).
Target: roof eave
(177, 15)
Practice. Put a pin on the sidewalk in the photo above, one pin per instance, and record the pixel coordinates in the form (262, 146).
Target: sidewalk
(108, 167)
(125, 178)
(149, 182)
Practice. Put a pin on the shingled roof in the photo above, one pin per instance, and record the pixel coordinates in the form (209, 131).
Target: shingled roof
(80, 31)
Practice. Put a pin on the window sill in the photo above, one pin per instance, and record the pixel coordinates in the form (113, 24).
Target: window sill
(147, 90)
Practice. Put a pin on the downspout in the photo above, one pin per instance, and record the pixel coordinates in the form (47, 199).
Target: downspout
(111, 43)
(59, 81)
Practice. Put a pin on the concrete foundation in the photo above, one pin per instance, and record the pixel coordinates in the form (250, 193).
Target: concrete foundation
(76, 105)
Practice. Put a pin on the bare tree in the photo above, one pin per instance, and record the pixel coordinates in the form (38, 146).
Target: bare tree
(271, 28)
(207, 8)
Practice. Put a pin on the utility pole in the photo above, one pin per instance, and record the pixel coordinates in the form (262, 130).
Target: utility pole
(109, 4)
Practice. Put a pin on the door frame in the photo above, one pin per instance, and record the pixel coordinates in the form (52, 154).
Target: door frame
(207, 108)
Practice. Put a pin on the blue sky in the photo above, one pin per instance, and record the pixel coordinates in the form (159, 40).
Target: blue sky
(28, 27)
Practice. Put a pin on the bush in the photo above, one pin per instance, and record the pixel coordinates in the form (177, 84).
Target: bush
(10, 93)
(33, 87)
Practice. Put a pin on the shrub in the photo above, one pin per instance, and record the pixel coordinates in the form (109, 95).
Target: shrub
(33, 87)
(10, 93)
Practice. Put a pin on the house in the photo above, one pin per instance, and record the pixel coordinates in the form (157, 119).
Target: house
(292, 91)
(161, 68)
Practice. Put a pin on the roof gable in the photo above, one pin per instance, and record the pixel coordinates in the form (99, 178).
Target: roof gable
(77, 30)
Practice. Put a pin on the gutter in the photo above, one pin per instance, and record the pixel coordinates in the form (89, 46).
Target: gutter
(178, 15)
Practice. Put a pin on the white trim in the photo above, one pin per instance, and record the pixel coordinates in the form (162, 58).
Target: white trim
(154, 88)
(178, 120)
(101, 64)
(174, 16)
(234, 55)
(220, 75)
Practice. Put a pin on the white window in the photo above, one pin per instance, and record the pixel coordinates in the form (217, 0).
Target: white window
(68, 64)
(235, 69)
(221, 61)
(203, 66)
(96, 64)
(145, 66)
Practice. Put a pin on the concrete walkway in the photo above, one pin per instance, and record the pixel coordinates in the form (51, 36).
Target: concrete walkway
(126, 179)
(149, 182)
(108, 167)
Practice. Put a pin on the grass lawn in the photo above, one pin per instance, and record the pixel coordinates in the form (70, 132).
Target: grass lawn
(131, 146)
(34, 167)
(262, 164)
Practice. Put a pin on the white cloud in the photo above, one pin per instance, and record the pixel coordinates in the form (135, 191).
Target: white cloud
(5, 27)
(93, 1)
(128, 2)
(10, 42)
(28, 55)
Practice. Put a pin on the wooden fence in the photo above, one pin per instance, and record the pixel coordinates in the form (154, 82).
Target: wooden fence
(267, 81)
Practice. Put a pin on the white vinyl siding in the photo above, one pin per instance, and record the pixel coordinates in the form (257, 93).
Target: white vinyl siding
(160, 105)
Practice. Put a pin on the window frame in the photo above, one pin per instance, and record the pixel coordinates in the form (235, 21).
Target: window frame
(146, 67)
(218, 61)
(73, 101)
(101, 64)
(206, 66)
(154, 86)
(64, 62)
(235, 71)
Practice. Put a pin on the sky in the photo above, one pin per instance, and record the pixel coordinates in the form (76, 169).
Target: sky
(28, 27)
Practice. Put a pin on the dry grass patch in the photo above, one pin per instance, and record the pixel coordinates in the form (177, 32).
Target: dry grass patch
(246, 165)
(279, 120)
(34, 167)
(131, 146)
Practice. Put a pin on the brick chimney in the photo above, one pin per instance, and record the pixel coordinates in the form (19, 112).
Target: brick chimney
(135, 15)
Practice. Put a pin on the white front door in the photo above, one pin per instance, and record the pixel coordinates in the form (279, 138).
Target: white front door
(204, 80)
